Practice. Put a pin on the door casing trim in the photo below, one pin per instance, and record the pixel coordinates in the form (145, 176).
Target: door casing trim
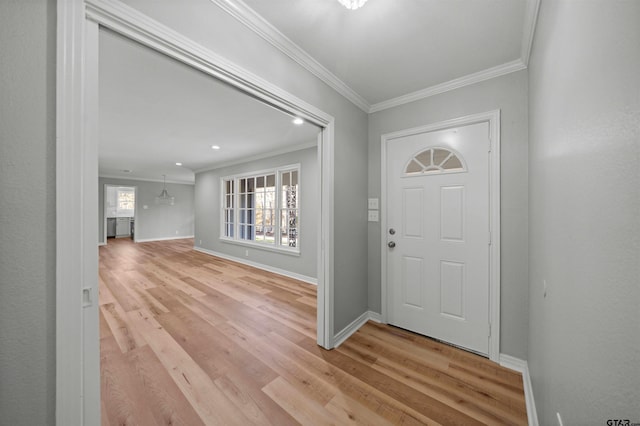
(493, 118)
(77, 392)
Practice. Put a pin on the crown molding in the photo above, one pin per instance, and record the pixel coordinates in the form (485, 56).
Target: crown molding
(457, 83)
(250, 18)
(528, 29)
(133, 178)
(131, 23)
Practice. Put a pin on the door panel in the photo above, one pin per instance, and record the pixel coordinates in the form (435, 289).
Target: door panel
(412, 206)
(452, 213)
(452, 289)
(438, 270)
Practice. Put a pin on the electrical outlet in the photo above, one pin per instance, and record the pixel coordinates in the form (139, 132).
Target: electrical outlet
(200, 242)
(246, 253)
(544, 289)
(559, 419)
(176, 232)
(373, 204)
(373, 216)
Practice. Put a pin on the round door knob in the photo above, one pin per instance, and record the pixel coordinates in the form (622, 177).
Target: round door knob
(391, 244)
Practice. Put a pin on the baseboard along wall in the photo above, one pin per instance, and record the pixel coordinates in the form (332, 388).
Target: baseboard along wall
(294, 275)
(522, 367)
(177, 237)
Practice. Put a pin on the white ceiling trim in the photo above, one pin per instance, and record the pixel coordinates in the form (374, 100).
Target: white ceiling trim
(145, 179)
(529, 29)
(131, 23)
(457, 83)
(257, 157)
(249, 17)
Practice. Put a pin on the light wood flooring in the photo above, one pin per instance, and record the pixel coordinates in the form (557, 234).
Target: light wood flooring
(191, 339)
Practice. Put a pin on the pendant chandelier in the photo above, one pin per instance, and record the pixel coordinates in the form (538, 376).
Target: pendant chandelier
(164, 197)
(352, 4)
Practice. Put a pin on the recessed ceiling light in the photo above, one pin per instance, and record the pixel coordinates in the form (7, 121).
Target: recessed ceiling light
(298, 121)
(178, 164)
(215, 147)
(352, 4)
(126, 171)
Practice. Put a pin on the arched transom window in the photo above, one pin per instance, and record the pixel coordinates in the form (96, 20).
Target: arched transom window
(434, 161)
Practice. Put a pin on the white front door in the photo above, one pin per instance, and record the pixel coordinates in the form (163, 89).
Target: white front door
(438, 235)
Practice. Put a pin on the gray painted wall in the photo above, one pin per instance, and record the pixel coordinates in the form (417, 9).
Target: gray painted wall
(584, 122)
(157, 221)
(207, 201)
(27, 212)
(509, 94)
(213, 28)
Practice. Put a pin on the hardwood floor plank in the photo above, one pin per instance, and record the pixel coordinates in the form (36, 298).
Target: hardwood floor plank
(314, 359)
(307, 300)
(274, 412)
(125, 335)
(349, 411)
(286, 367)
(188, 338)
(104, 294)
(121, 294)
(307, 412)
(194, 305)
(220, 354)
(434, 379)
(427, 406)
(206, 398)
(105, 330)
(167, 403)
(125, 403)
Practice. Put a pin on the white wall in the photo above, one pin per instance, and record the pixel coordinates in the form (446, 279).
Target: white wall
(208, 25)
(27, 212)
(584, 340)
(157, 221)
(509, 94)
(208, 211)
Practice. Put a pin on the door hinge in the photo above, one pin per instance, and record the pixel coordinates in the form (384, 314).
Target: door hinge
(489, 144)
(489, 237)
(489, 330)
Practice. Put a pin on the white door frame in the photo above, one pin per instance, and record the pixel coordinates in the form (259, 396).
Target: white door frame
(77, 339)
(493, 118)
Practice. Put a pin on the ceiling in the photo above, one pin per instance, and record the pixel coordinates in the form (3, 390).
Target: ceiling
(394, 48)
(155, 111)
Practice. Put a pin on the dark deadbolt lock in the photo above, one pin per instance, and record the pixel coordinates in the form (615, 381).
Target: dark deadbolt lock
(392, 231)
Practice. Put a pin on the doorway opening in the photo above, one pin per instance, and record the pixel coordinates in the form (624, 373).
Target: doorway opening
(77, 321)
(119, 212)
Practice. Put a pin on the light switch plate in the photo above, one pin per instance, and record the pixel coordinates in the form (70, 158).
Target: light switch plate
(373, 204)
(373, 216)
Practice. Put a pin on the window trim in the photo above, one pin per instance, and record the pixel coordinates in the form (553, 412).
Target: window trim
(277, 246)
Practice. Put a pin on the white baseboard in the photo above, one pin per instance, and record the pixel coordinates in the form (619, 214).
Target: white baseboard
(101, 243)
(148, 240)
(522, 367)
(294, 275)
(375, 317)
(346, 332)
